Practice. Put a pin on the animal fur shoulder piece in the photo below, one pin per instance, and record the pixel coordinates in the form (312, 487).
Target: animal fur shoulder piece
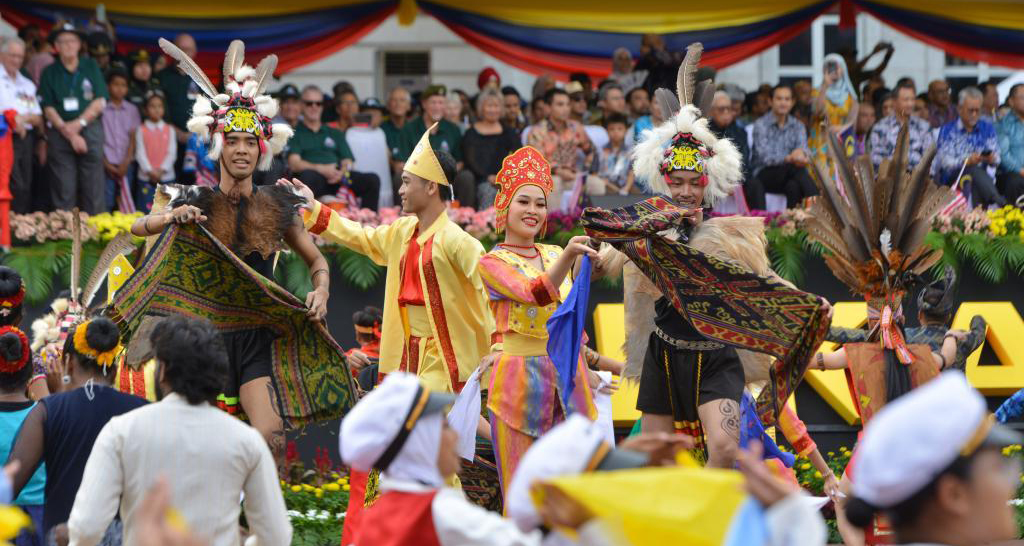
(254, 224)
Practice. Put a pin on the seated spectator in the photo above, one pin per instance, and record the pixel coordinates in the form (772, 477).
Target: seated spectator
(538, 110)
(340, 88)
(639, 103)
(1010, 180)
(623, 72)
(120, 121)
(756, 104)
(921, 106)
(885, 102)
(213, 457)
(485, 145)
(488, 78)
(18, 93)
(197, 167)
(616, 167)
(446, 136)
(370, 153)
(803, 94)
(155, 151)
(779, 155)
(289, 105)
(990, 100)
(399, 105)
(969, 144)
(723, 124)
(142, 81)
(73, 94)
(61, 429)
(512, 115)
(563, 142)
(321, 158)
(610, 99)
(874, 82)
(578, 108)
(907, 80)
(453, 111)
(940, 107)
(346, 105)
(100, 47)
(882, 141)
(375, 109)
(862, 129)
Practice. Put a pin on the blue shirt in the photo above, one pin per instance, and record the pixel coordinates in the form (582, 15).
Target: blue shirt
(771, 143)
(1011, 143)
(12, 414)
(955, 143)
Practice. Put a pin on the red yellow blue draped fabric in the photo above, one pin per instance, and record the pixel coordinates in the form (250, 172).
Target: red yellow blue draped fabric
(299, 32)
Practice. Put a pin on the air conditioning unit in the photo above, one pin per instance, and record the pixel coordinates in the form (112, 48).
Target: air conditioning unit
(408, 69)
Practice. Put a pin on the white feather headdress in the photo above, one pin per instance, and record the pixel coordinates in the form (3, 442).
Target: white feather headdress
(240, 108)
(723, 164)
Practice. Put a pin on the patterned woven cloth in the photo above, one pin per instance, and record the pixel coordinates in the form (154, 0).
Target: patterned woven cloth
(189, 272)
(724, 302)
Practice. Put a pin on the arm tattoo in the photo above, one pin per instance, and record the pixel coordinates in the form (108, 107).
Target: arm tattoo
(730, 411)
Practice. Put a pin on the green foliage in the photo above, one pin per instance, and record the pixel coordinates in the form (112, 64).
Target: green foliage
(356, 269)
(37, 265)
(789, 251)
(293, 275)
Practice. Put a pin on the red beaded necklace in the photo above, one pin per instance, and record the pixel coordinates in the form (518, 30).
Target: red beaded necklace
(512, 248)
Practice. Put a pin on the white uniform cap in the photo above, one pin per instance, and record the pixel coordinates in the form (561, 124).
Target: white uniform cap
(916, 437)
(379, 425)
(574, 446)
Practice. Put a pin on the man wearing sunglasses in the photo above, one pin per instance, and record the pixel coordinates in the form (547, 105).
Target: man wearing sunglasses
(322, 160)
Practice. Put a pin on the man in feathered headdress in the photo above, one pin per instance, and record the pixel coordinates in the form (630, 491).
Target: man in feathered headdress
(253, 222)
(696, 291)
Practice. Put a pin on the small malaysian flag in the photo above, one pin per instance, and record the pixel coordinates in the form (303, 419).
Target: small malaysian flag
(959, 201)
(125, 203)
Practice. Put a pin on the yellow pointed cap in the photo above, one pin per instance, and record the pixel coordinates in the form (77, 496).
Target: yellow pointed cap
(423, 163)
(118, 274)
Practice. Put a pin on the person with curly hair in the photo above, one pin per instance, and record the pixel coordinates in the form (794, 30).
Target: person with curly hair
(211, 456)
(62, 428)
(15, 373)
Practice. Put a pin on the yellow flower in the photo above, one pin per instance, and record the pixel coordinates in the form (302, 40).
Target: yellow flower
(12, 520)
(805, 466)
(319, 493)
(831, 454)
(345, 487)
(817, 474)
(306, 487)
(332, 487)
(296, 488)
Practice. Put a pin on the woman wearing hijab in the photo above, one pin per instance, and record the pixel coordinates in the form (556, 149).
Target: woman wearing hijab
(833, 108)
(526, 282)
(400, 429)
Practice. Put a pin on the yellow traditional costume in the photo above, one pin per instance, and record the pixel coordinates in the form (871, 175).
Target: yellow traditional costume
(443, 339)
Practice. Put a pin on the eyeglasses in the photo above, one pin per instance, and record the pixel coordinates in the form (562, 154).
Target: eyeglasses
(313, 102)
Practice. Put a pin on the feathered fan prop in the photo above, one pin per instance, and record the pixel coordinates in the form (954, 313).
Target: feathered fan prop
(874, 230)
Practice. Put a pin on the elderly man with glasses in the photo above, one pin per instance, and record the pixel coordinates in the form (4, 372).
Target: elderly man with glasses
(967, 147)
(321, 158)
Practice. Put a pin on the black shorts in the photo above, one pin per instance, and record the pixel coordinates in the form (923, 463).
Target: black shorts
(248, 357)
(676, 381)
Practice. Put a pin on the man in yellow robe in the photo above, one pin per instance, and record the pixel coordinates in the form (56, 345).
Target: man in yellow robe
(437, 323)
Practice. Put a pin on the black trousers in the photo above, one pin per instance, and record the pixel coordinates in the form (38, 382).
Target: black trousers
(21, 172)
(791, 180)
(77, 180)
(983, 188)
(1011, 185)
(366, 186)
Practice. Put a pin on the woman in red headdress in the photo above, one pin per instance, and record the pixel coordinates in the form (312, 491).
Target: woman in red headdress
(527, 280)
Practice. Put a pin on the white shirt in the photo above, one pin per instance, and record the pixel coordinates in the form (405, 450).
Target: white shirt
(459, 522)
(369, 147)
(143, 158)
(18, 94)
(208, 457)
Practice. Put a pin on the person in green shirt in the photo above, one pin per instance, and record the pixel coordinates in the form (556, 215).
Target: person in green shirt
(180, 90)
(445, 136)
(73, 93)
(321, 158)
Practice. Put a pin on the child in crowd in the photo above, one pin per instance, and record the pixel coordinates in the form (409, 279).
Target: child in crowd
(615, 164)
(363, 361)
(155, 149)
(120, 121)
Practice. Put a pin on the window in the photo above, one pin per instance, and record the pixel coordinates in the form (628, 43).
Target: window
(408, 69)
(802, 57)
(961, 73)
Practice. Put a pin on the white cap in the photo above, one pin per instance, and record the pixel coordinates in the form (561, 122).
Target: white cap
(917, 436)
(574, 446)
(377, 428)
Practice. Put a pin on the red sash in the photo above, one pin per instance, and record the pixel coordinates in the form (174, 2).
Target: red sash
(398, 519)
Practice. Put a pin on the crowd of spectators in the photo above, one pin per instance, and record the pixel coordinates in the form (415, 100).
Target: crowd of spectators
(98, 130)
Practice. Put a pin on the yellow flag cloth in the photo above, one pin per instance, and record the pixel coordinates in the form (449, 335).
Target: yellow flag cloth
(693, 506)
